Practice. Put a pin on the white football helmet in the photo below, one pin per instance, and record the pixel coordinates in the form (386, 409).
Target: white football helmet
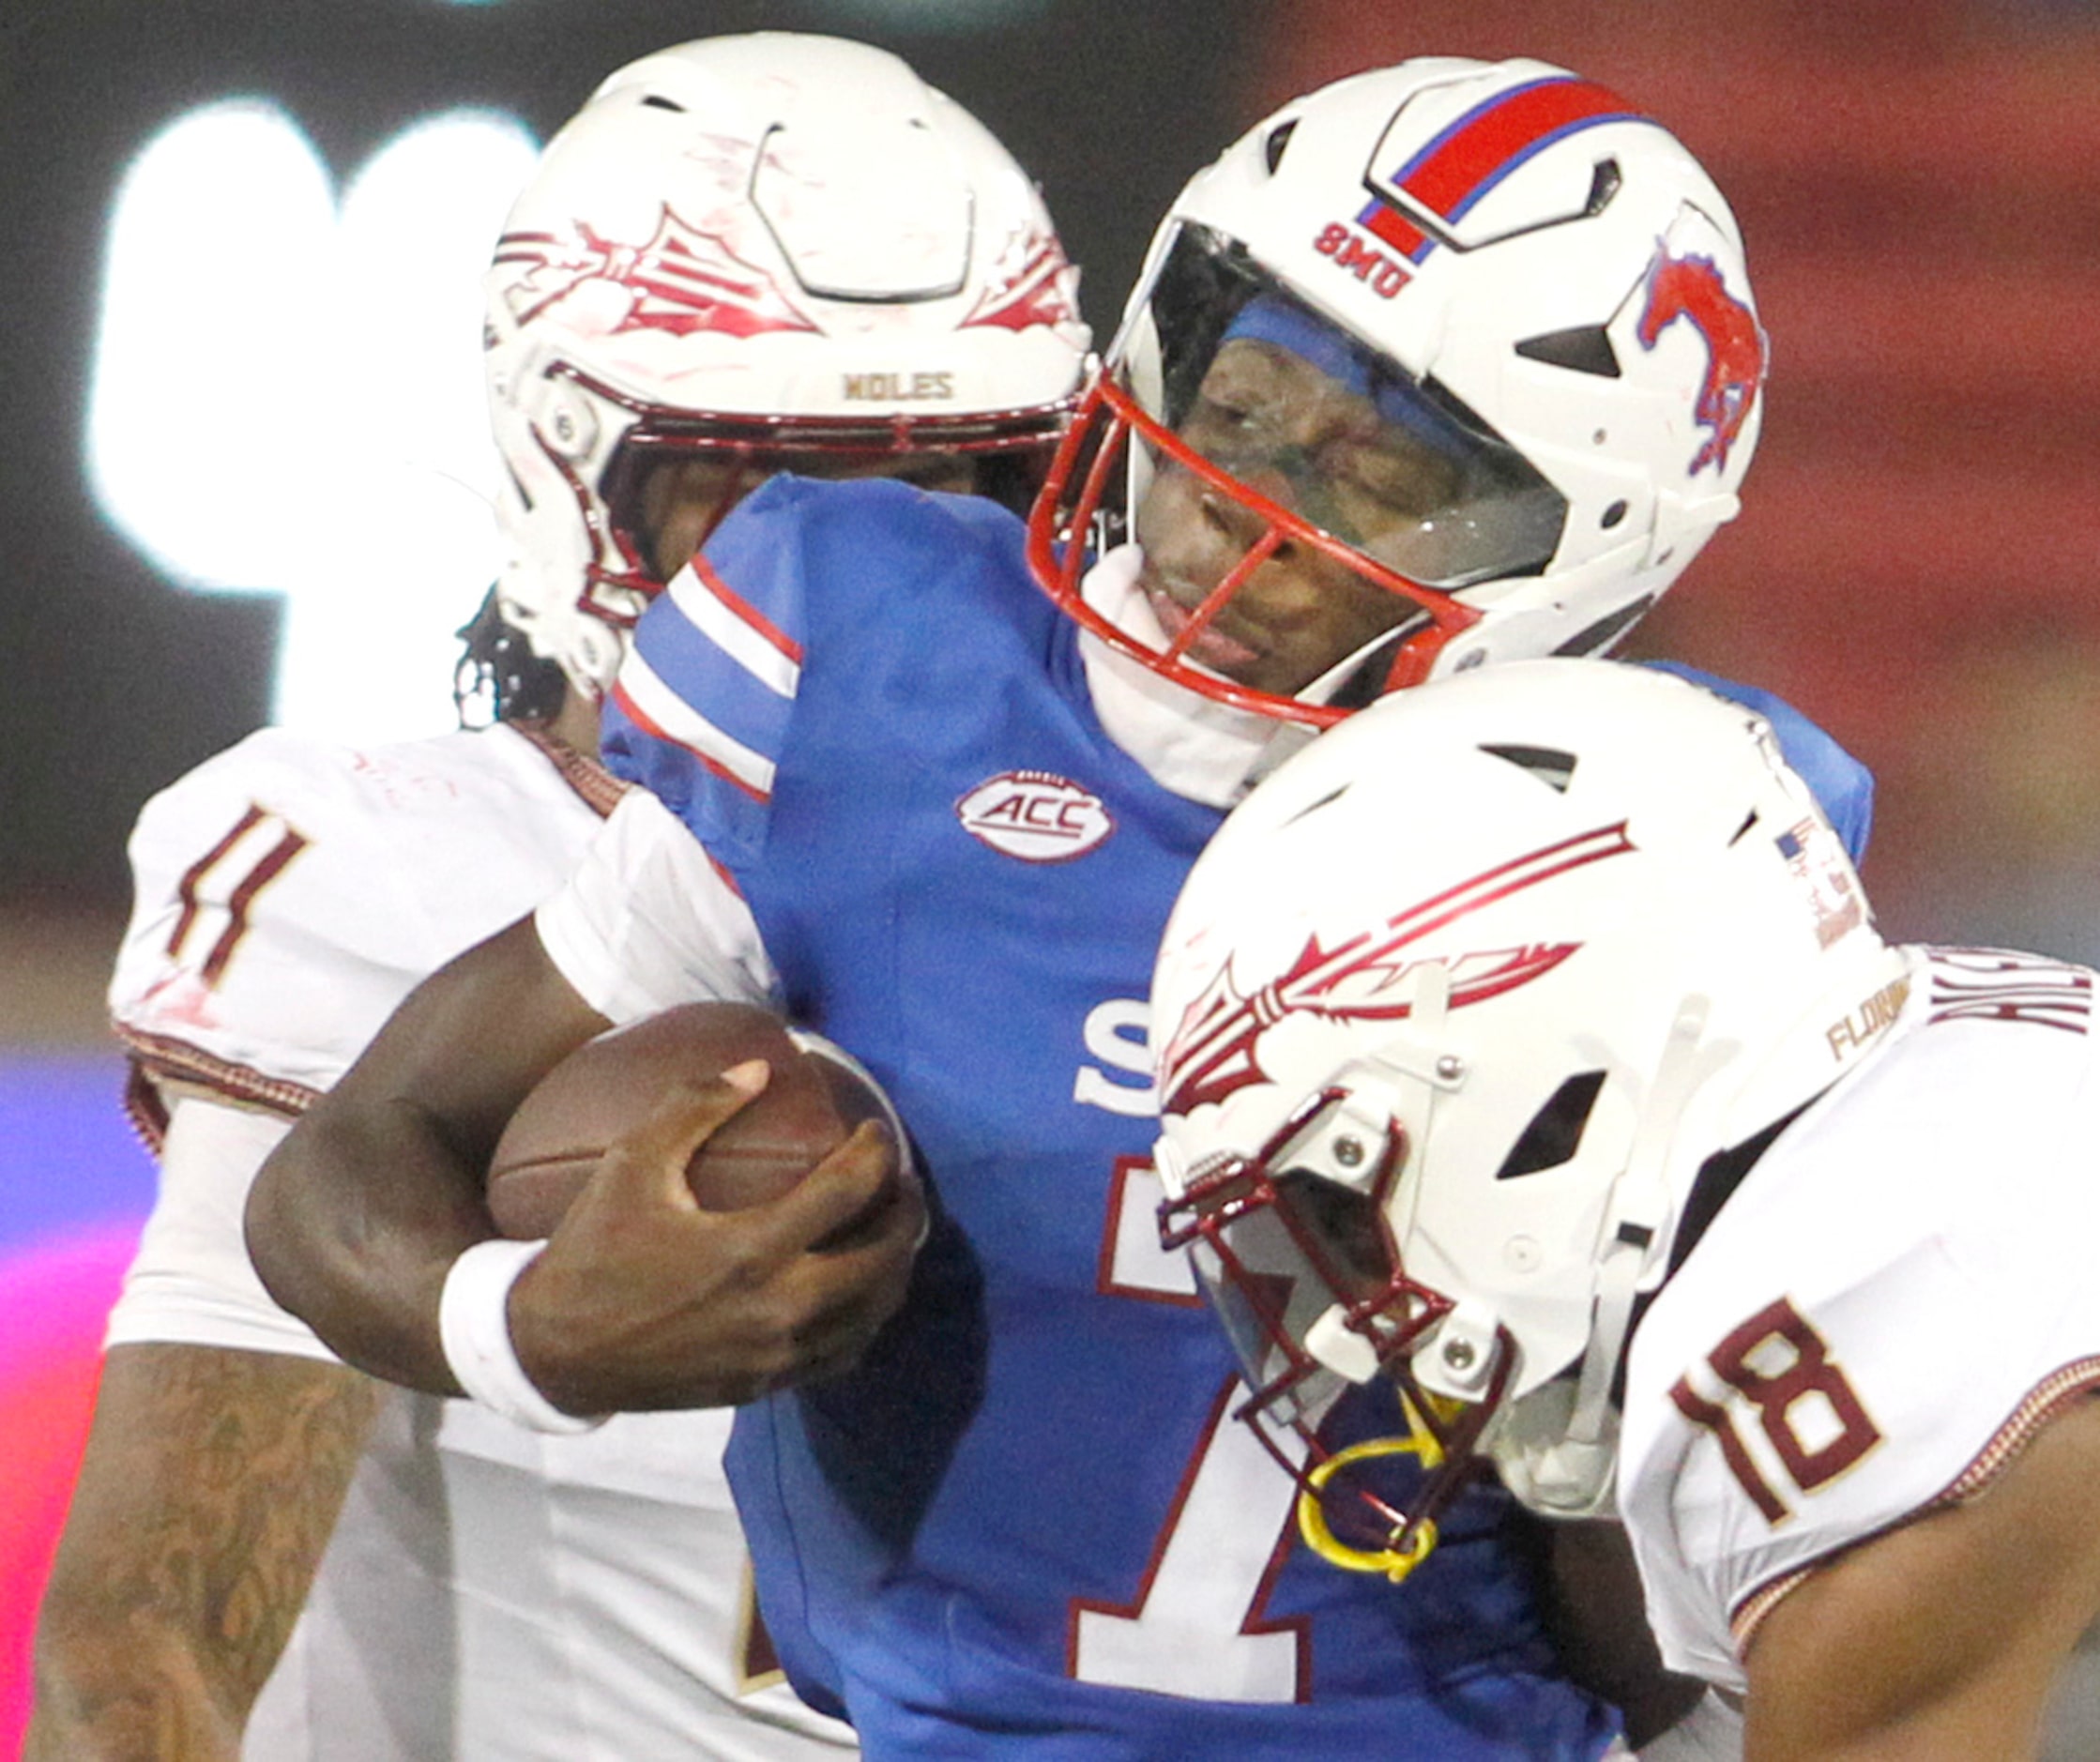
(1533, 303)
(1447, 1020)
(781, 251)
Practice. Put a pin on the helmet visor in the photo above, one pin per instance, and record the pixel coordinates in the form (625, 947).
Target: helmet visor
(1316, 418)
(1302, 501)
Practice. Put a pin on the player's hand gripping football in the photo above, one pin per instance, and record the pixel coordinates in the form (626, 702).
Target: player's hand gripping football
(644, 1299)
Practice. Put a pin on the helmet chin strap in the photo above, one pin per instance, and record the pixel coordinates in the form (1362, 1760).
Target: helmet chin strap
(1573, 1476)
(1416, 1055)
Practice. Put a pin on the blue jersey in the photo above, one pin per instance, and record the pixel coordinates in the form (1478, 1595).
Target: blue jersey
(1026, 1520)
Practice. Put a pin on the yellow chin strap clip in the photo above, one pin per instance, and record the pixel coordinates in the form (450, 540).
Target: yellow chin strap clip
(1406, 1548)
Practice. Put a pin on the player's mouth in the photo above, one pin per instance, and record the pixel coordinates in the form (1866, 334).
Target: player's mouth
(1210, 646)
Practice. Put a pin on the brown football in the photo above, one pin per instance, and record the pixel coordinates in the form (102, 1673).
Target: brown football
(609, 1085)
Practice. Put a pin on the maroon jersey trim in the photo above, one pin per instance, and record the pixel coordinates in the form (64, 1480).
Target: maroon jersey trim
(2042, 1404)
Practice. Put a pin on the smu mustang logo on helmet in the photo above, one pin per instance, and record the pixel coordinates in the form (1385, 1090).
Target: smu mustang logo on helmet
(1210, 1054)
(682, 281)
(1691, 288)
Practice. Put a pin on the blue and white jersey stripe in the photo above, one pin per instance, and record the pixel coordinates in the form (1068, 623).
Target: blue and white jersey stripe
(656, 707)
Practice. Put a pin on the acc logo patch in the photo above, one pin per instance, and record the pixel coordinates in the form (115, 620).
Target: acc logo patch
(1035, 815)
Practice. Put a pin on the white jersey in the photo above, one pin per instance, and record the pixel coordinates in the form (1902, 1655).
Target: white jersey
(489, 1591)
(1896, 1296)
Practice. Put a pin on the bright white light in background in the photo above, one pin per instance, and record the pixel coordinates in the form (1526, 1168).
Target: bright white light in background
(287, 396)
(219, 240)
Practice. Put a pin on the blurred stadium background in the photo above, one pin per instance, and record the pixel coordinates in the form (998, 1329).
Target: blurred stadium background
(242, 436)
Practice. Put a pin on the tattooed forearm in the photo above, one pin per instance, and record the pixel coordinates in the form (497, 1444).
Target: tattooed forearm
(211, 1482)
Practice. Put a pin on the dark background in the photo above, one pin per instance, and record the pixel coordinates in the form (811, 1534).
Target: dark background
(1918, 565)
(114, 684)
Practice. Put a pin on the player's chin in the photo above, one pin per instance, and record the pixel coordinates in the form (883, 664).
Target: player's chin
(1272, 660)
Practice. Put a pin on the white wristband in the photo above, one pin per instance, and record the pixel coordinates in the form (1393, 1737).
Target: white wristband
(474, 1326)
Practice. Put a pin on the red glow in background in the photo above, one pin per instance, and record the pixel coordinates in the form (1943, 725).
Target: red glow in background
(74, 1187)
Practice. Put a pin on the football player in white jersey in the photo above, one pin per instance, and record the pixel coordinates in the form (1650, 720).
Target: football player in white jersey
(743, 255)
(1528, 1047)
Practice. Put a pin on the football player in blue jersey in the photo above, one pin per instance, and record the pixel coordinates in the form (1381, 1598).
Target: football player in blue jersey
(1444, 364)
